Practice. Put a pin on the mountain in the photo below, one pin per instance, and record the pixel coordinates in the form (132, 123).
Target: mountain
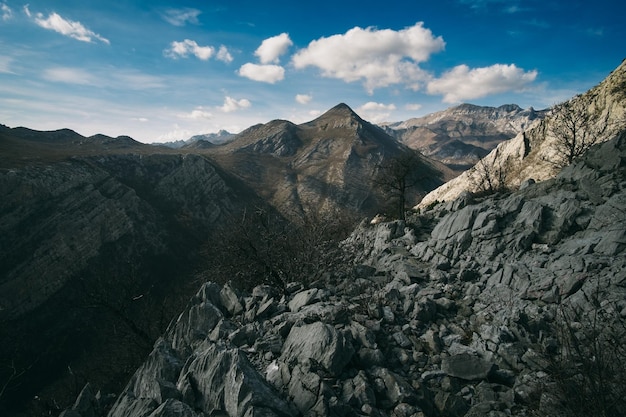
(102, 239)
(211, 138)
(536, 153)
(327, 164)
(96, 235)
(509, 306)
(461, 135)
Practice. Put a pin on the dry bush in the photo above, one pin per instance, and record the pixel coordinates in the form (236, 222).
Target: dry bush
(588, 369)
(262, 247)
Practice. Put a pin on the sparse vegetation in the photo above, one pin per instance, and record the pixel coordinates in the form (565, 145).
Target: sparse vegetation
(490, 178)
(577, 127)
(395, 177)
(588, 367)
(261, 247)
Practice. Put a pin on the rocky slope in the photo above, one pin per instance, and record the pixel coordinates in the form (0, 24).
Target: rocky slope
(327, 164)
(461, 135)
(534, 153)
(465, 311)
(96, 235)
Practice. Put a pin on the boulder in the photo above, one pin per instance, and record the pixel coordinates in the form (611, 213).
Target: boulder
(218, 379)
(320, 342)
(466, 366)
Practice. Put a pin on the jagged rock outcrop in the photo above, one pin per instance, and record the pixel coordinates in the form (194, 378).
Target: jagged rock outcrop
(533, 153)
(454, 314)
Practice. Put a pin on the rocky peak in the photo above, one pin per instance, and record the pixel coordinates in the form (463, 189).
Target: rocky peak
(461, 135)
(340, 116)
(533, 152)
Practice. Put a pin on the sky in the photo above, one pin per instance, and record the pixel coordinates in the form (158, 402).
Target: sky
(161, 71)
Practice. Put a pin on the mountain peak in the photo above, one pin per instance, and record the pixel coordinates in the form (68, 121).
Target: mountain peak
(341, 110)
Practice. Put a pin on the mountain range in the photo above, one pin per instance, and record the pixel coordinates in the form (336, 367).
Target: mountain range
(461, 135)
(103, 242)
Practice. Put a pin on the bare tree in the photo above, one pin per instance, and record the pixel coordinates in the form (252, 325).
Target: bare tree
(262, 247)
(490, 177)
(395, 177)
(576, 128)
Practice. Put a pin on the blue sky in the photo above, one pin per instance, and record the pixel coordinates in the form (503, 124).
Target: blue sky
(165, 70)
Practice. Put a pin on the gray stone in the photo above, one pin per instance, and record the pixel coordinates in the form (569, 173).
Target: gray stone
(223, 380)
(230, 300)
(466, 366)
(304, 298)
(173, 408)
(319, 342)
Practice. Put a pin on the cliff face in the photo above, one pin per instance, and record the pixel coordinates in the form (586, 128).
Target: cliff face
(90, 247)
(534, 153)
(465, 311)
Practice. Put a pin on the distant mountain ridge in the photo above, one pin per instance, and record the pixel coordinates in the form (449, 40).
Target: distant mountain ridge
(326, 164)
(212, 138)
(532, 154)
(465, 133)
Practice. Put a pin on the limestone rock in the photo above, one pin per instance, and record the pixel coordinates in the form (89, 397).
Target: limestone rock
(321, 343)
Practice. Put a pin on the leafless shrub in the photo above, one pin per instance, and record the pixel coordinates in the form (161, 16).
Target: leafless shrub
(588, 367)
(261, 247)
(576, 128)
(490, 177)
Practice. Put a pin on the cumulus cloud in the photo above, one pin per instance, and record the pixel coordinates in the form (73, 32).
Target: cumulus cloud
(189, 47)
(231, 104)
(303, 98)
(224, 55)
(6, 12)
(74, 30)
(462, 83)
(199, 113)
(378, 58)
(376, 112)
(180, 17)
(272, 48)
(264, 73)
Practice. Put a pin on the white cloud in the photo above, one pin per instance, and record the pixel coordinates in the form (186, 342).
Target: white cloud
(224, 55)
(115, 78)
(303, 98)
(5, 65)
(187, 47)
(272, 48)
(27, 11)
(74, 30)
(413, 106)
(264, 73)
(231, 104)
(133, 79)
(69, 76)
(378, 58)
(180, 17)
(199, 113)
(376, 112)
(462, 83)
(7, 13)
